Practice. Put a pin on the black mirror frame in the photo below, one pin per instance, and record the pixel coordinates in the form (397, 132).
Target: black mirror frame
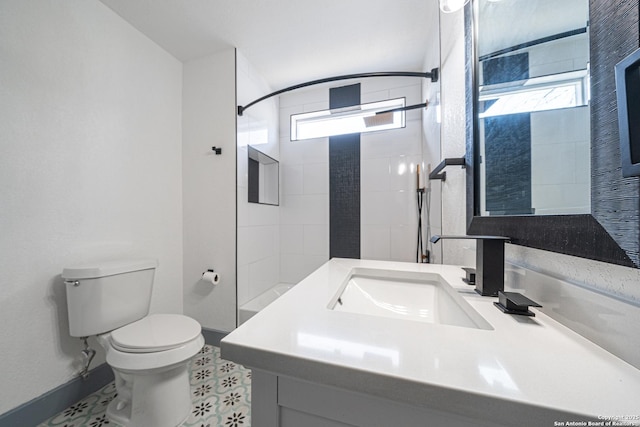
(611, 233)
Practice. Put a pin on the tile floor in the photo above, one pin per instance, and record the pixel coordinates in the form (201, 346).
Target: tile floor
(220, 392)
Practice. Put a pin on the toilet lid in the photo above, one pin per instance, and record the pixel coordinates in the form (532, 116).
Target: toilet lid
(157, 332)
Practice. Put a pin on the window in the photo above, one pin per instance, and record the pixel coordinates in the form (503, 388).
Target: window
(536, 94)
(342, 121)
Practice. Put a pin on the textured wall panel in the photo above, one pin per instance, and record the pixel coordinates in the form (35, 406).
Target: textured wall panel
(615, 200)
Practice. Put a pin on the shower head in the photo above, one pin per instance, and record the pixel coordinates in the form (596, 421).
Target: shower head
(379, 119)
(407, 108)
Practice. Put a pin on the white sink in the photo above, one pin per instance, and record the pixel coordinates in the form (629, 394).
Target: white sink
(422, 297)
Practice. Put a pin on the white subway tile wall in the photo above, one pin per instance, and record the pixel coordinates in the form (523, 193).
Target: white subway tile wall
(258, 225)
(283, 244)
(388, 197)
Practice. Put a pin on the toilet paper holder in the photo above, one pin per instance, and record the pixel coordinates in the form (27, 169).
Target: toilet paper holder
(211, 276)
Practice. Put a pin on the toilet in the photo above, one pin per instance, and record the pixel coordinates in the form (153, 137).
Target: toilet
(149, 354)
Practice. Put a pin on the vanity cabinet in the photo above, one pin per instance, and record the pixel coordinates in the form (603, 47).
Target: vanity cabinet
(315, 366)
(280, 401)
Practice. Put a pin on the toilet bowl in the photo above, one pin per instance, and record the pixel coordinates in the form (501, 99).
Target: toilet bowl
(149, 354)
(150, 361)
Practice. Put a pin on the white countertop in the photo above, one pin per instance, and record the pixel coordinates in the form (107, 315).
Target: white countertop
(525, 365)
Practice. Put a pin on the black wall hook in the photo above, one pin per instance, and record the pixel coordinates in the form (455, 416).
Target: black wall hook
(217, 150)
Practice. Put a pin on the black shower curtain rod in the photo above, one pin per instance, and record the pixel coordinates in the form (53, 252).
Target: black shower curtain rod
(407, 108)
(433, 75)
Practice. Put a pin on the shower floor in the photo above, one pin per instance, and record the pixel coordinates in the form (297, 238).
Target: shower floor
(220, 396)
(252, 307)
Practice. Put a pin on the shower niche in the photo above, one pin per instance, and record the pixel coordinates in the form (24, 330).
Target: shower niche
(263, 178)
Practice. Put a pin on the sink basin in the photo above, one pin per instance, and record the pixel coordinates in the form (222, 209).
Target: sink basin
(422, 297)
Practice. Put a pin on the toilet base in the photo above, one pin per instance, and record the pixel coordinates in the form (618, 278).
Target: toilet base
(155, 398)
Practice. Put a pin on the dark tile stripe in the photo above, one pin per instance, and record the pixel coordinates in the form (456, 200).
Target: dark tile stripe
(344, 96)
(507, 144)
(344, 196)
(344, 182)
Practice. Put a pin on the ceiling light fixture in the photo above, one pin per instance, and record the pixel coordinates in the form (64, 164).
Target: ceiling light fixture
(450, 6)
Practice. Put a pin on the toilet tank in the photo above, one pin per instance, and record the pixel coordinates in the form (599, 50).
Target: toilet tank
(102, 297)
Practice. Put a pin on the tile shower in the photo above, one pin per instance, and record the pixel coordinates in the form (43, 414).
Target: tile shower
(280, 245)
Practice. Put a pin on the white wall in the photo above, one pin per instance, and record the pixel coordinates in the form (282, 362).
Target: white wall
(90, 170)
(209, 188)
(304, 190)
(258, 224)
(452, 83)
(431, 149)
(388, 160)
(388, 181)
(560, 139)
(561, 161)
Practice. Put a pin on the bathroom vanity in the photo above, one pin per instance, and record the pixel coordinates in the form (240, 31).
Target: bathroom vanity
(375, 343)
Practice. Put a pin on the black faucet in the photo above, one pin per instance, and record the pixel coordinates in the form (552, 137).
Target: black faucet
(489, 262)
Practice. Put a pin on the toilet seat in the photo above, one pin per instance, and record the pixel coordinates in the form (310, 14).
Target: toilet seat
(146, 362)
(155, 333)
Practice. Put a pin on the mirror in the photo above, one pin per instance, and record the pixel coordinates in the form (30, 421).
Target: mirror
(533, 107)
(263, 178)
(610, 231)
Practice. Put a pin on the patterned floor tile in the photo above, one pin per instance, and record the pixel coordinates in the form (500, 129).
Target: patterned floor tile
(220, 396)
